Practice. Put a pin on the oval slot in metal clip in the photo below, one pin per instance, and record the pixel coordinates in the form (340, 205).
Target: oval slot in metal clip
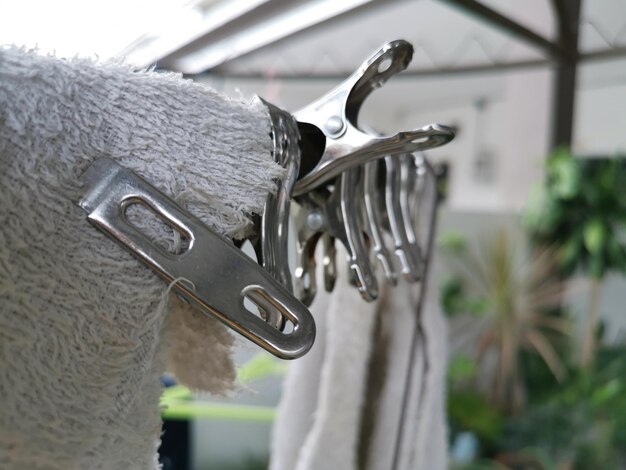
(211, 274)
(335, 115)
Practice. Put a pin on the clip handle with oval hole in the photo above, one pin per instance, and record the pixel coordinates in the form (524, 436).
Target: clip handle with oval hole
(333, 118)
(216, 276)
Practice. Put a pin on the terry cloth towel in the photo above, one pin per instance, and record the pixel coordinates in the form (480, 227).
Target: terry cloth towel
(318, 422)
(351, 416)
(405, 422)
(82, 342)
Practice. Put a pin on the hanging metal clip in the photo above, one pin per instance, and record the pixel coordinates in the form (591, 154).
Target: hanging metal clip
(270, 238)
(333, 118)
(211, 273)
(339, 215)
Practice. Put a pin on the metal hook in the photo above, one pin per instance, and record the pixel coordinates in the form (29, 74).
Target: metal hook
(270, 239)
(375, 218)
(216, 276)
(338, 214)
(336, 114)
(400, 223)
(426, 199)
(351, 198)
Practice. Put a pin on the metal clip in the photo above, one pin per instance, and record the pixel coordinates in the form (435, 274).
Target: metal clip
(335, 115)
(426, 198)
(338, 214)
(397, 193)
(272, 227)
(214, 275)
(376, 217)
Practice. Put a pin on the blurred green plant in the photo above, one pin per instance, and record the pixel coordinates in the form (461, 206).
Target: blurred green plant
(177, 401)
(513, 293)
(583, 424)
(468, 410)
(581, 209)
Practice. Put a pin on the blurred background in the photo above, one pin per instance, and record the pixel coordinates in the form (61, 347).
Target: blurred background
(532, 233)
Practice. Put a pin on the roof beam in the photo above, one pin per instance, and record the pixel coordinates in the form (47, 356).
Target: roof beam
(288, 19)
(604, 54)
(508, 25)
(568, 16)
(150, 48)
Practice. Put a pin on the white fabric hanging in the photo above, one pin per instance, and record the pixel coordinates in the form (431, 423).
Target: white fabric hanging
(419, 426)
(81, 320)
(351, 417)
(327, 427)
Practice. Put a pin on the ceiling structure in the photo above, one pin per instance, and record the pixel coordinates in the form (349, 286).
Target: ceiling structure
(328, 38)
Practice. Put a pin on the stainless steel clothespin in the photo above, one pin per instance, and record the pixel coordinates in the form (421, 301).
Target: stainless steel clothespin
(338, 215)
(334, 149)
(400, 172)
(424, 196)
(274, 228)
(211, 273)
(331, 121)
(270, 238)
(376, 217)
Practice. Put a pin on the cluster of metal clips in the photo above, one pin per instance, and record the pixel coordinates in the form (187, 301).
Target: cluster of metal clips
(348, 184)
(364, 190)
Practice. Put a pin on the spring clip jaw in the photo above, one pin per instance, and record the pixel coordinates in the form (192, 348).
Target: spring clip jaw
(335, 115)
(360, 187)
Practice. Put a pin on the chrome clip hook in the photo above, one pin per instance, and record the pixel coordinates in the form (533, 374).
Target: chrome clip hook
(214, 275)
(335, 116)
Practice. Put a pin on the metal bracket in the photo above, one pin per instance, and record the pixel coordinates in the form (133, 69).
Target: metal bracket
(211, 273)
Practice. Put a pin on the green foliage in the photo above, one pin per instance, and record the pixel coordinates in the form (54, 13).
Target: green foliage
(513, 294)
(583, 423)
(452, 242)
(469, 411)
(581, 208)
(577, 217)
(455, 298)
(461, 367)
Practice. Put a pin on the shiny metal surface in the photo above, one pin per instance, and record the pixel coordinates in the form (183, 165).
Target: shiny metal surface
(352, 211)
(307, 236)
(270, 240)
(275, 219)
(336, 114)
(406, 247)
(339, 212)
(211, 274)
(330, 262)
(367, 208)
(374, 203)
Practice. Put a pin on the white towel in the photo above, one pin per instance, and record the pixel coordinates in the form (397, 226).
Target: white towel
(318, 423)
(424, 434)
(353, 416)
(81, 343)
